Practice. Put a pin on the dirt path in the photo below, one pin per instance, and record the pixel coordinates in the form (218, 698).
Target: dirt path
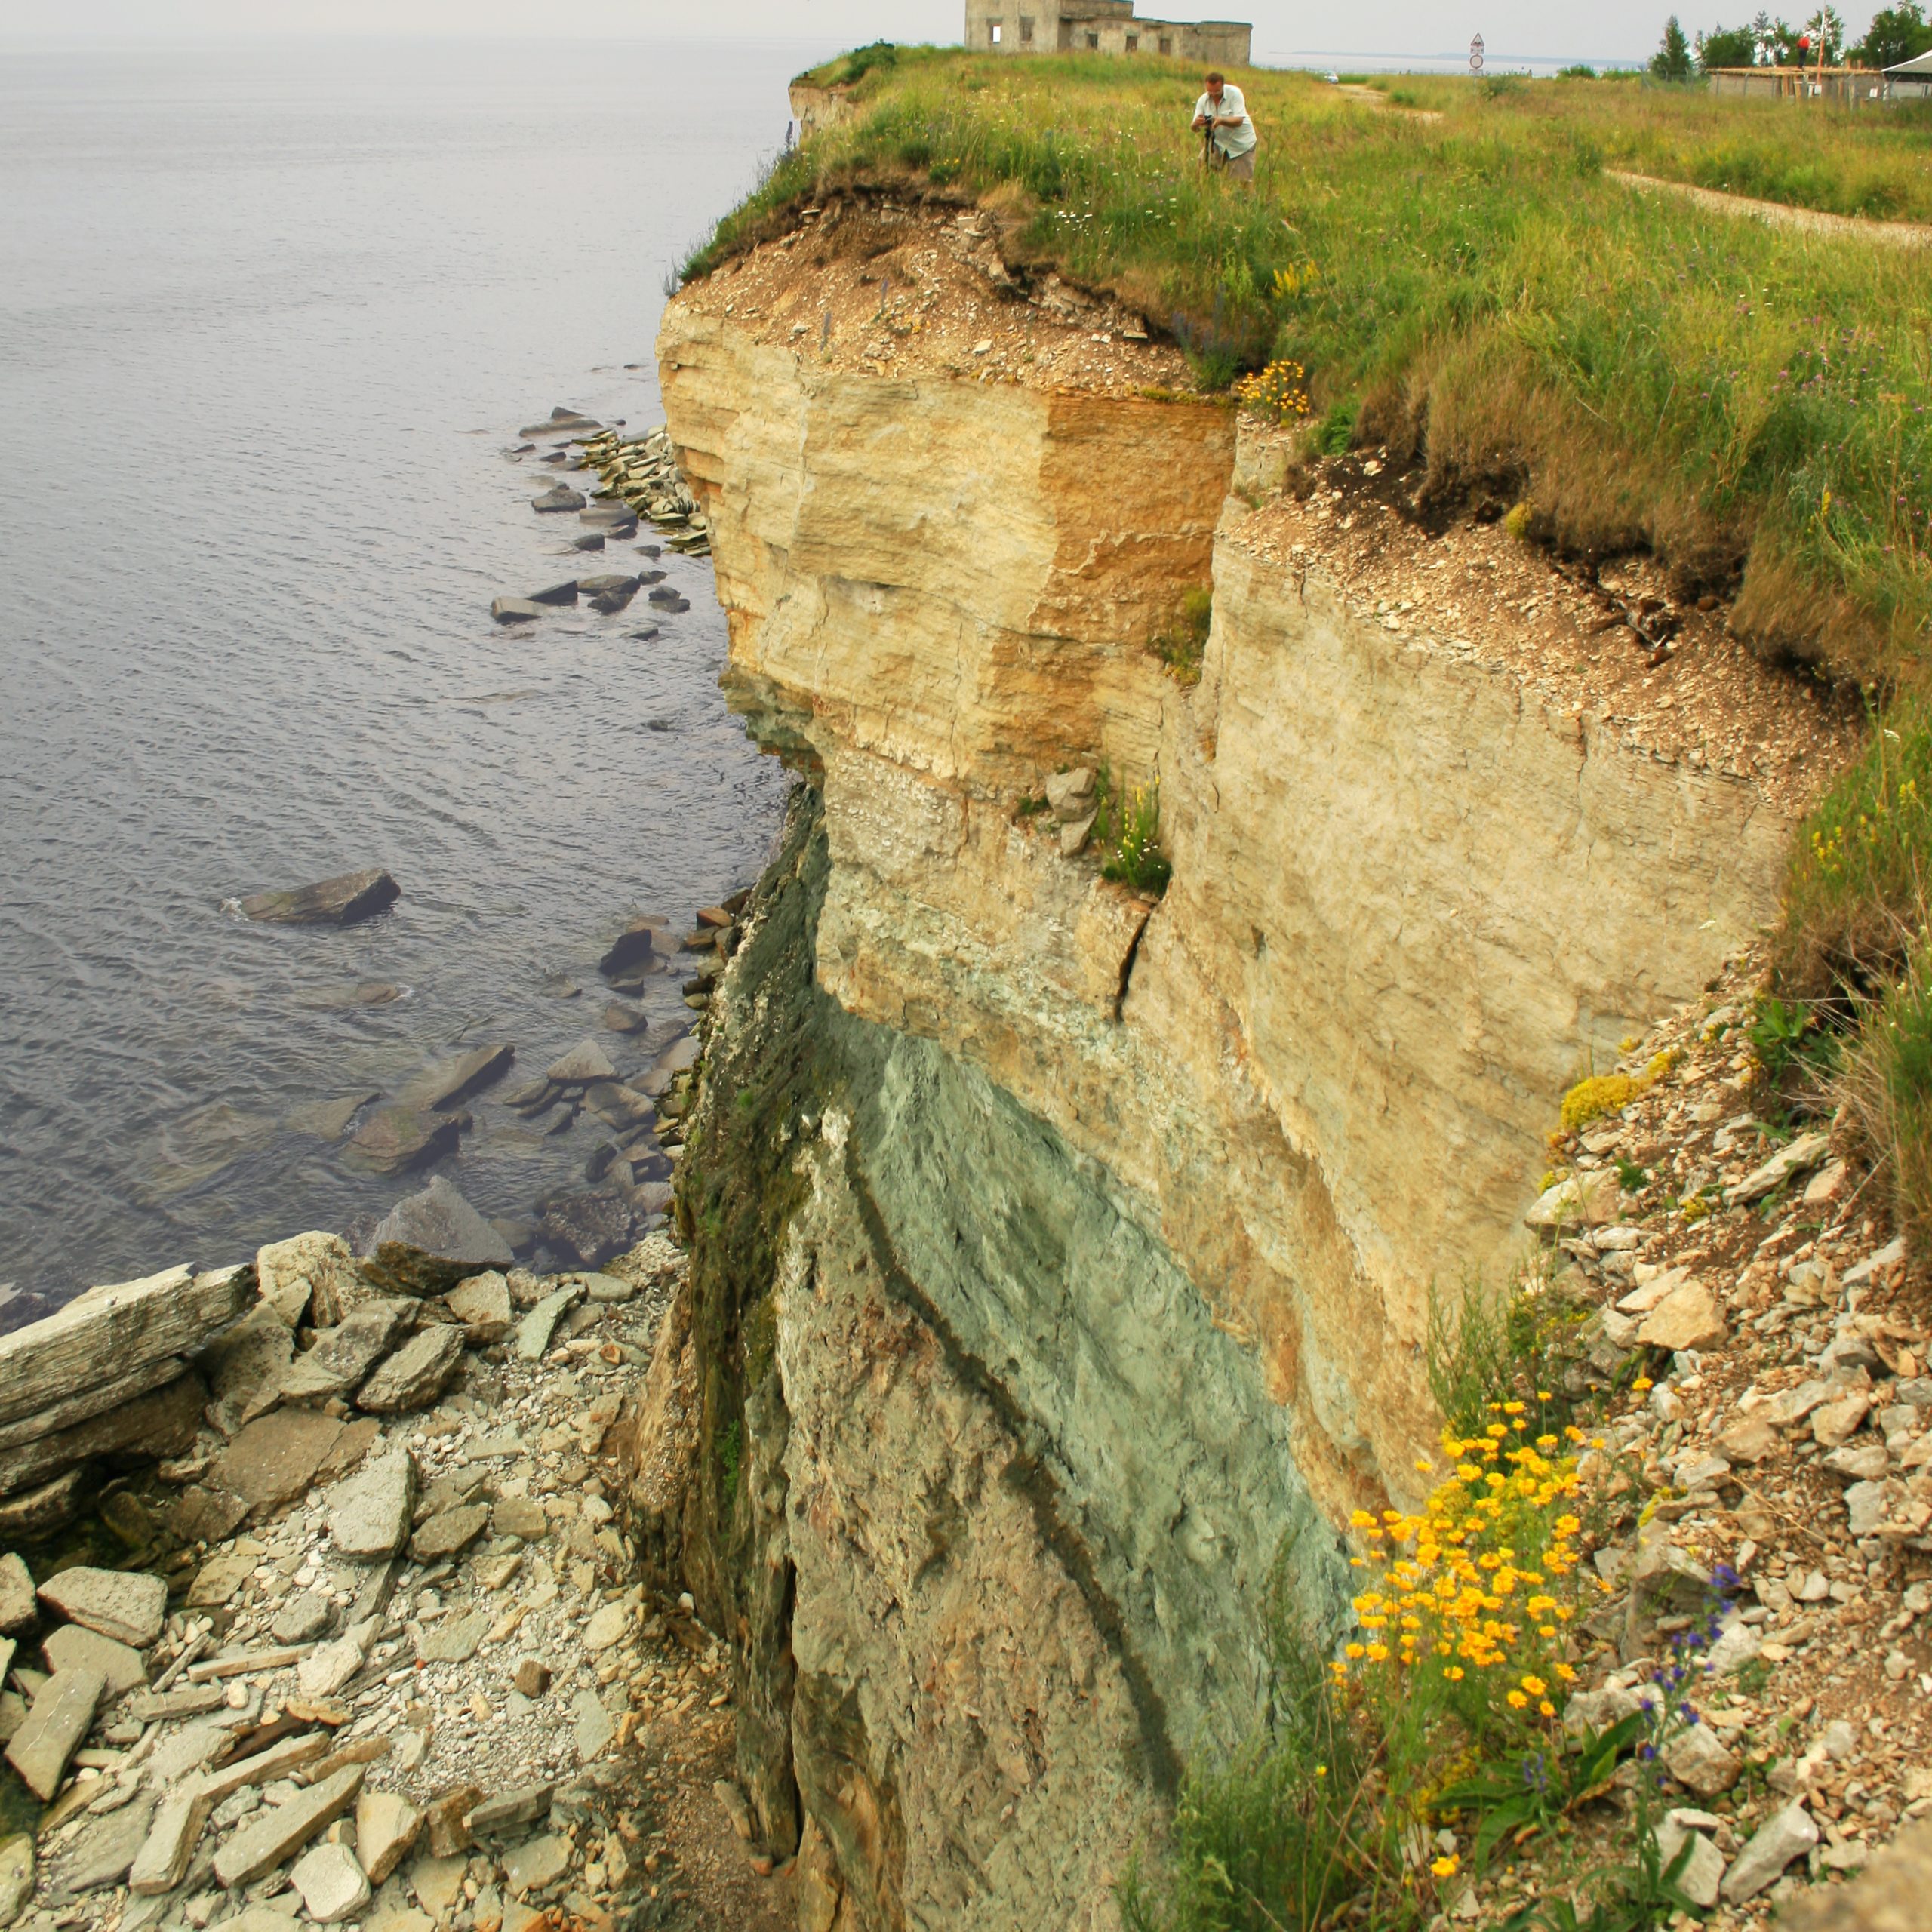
(1776, 214)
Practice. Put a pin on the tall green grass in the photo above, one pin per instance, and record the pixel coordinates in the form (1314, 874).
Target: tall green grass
(1750, 403)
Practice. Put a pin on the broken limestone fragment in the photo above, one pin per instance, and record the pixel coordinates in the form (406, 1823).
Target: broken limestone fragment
(16, 1878)
(416, 1374)
(1689, 1317)
(162, 1863)
(58, 1720)
(432, 1240)
(454, 1530)
(1784, 1836)
(533, 1331)
(333, 1884)
(386, 1824)
(73, 1648)
(281, 1830)
(311, 1276)
(370, 1514)
(126, 1605)
(17, 1608)
(345, 1355)
(482, 1305)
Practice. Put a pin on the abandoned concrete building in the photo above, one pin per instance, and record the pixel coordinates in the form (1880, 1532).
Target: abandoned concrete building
(1100, 27)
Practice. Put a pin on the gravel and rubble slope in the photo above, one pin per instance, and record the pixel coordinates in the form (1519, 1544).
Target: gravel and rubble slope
(411, 1684)
(1759, 1340)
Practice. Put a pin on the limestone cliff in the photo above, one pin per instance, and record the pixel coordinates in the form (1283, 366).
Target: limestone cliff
(1062, 1256)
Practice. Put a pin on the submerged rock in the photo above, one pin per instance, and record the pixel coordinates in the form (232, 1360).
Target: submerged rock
(341, 901)
(449, 1080)
(394, 1139)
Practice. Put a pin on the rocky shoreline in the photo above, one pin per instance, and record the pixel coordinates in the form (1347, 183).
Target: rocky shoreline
(372, 1651)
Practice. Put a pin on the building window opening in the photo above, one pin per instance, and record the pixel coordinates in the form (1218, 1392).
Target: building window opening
(993, 29)
(1133, 43)
(1167, 43)
(1026, 26)
(1093, 41)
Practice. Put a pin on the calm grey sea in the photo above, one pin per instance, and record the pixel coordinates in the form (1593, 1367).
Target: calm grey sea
(269, 317)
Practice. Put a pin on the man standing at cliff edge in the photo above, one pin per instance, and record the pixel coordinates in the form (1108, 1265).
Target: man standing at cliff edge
(1224, 110)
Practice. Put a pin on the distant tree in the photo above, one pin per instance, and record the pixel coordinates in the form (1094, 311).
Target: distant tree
(1580, 71)
(1671, 61)
(1825, 31)
(1776, 42)
(1896, 34)
(1727, 47)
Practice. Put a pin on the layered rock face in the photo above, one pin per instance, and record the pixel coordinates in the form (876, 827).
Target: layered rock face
(1062, 1256)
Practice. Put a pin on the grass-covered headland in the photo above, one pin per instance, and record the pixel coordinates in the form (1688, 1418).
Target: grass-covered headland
(1750, 402)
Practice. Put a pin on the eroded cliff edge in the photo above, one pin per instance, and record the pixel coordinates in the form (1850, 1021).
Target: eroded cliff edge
(1061, 1258)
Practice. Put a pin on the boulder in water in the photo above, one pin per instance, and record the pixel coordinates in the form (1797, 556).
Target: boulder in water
(632, 949)
(433, 1240)
(591, 539)
(515, 610)
(558, 593)
(342, 901)
(562, 497)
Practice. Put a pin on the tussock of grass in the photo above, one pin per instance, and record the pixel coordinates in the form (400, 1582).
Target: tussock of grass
(1887, 1085)
(1749, 402)
(1857, 893)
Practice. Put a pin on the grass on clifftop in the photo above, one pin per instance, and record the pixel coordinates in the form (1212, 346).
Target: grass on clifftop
(1471, 288)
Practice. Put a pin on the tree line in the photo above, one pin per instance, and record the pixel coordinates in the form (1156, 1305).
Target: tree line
(1896, 33)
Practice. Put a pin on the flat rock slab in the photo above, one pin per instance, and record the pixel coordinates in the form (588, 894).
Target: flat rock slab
(540, 1862)
(386, 1825)
(282, 1831)
(515, 610)
(606, 1627)
(341, 901)
(163, 1422)
(497, 1816)
(1785, 1835)
(346, 1353)
(162, 1861)
(416, 1374)
(520, 1516)
(101, 1854)
(246, 1365)
(16, 1878)
(127, 1606)
(219, 1577)
(449, 1081)
(56, 1720)
(552, 501)
(72, 1647)
(18, 1608)
(275, 1459)
(109, 1331)
(454, 1530)
(592, 1724)
(50, 1506)
(370, 1514)
(534, 1330)
(393, 1140)
(1689, 1317)
(457, 1640)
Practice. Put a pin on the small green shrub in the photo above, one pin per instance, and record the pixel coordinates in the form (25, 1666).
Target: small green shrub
(1336, 434)
(1184, 643)
(1486, 1343)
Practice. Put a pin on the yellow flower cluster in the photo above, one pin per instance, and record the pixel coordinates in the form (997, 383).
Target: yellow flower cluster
(1296, 280)
(1483, 1578)
(1828, 848)
(1279, 392)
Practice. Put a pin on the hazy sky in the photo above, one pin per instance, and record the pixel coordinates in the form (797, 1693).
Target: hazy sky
(1604, 29)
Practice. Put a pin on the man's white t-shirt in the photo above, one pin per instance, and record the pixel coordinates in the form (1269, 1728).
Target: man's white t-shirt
(1233, 142)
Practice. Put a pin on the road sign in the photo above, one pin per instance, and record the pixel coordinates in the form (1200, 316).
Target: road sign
(1476, 55)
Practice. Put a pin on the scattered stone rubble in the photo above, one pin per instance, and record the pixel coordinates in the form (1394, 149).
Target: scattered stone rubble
(1768, 1341)
(377, 1658)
